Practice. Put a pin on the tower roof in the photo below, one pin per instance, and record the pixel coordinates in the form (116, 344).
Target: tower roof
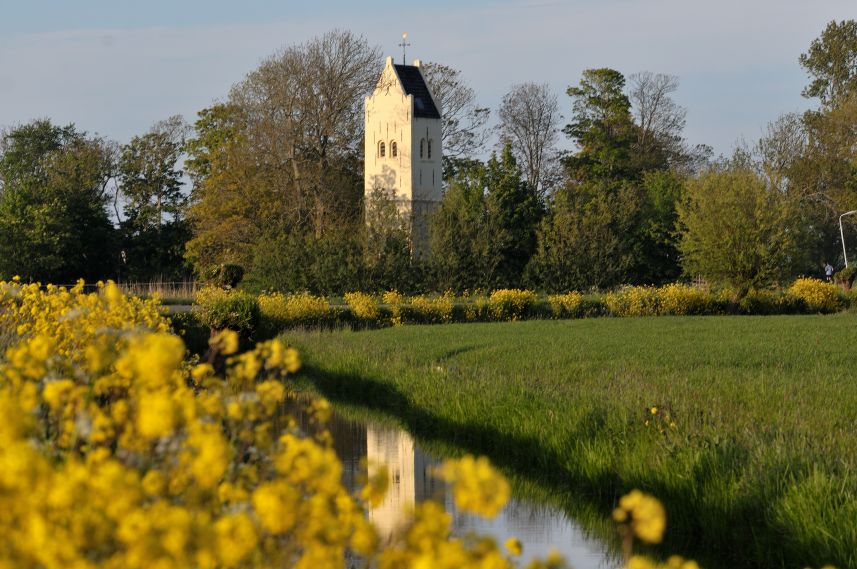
(414, 84)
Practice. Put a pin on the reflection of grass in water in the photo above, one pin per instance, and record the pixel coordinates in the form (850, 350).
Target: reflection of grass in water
(759, 468)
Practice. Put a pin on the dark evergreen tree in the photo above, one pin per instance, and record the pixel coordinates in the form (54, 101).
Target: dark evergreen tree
(460, 253)
(513, 213)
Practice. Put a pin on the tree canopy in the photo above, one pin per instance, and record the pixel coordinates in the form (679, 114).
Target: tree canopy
(53, 197)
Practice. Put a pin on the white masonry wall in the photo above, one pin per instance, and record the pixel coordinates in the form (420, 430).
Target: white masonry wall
(414, 181)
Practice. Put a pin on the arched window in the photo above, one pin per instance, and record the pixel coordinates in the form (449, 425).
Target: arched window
(422, 147)
(382, 150)
(394, 150)
(429, 149)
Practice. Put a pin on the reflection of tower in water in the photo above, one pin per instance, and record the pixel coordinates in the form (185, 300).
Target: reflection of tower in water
(411, 479)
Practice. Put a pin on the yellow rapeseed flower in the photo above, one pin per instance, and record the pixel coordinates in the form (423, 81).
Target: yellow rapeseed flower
(476, 486)
(514, 546)
(646, 514)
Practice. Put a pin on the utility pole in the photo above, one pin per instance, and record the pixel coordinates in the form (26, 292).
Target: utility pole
(842, 234)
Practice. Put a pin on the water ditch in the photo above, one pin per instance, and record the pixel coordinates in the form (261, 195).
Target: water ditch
(541, 527)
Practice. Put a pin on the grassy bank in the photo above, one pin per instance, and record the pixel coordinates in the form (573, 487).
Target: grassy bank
(750, 444)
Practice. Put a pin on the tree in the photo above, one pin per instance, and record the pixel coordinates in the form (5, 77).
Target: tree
(459, 242)
(738, 230)
(53, 195)
(602, 128)
(149, 175)
(463, 121)
(388, 244)
(586, 240)
(230, 203)
(638, 166)
(513, 214)
(831, 61)
(529, 118)
(660, 143)
(154, 231)
(484, 231)
(657, 258)
(282, 155)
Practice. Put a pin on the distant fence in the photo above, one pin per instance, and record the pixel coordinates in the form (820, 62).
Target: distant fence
(166, 289)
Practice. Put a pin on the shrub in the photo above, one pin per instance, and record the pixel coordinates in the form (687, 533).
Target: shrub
(633, 301)
(766, 302)
(221, 309)
(512, 304)
(593, 306)
(188, 326)
(394, 300)
(437, 310)
(363, 306)
(475, 307)
(300, 309)
(845, 277)
(681, 299)
(566, 305)
(224, 275)
(818, 296)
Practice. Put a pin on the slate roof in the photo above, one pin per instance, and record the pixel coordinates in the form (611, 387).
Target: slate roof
(412, 81)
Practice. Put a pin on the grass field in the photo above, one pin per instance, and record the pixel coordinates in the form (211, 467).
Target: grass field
(752, 446)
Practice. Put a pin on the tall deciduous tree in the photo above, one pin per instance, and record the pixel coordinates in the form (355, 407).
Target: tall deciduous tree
(739, 230)
(154, 231)
(529, 123)
(54, 185)
(831, 62)
(462, 127)
(282, 154)
(150, 177)
(660, 120)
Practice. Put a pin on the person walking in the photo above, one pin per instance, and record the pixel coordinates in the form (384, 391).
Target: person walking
(828, 272)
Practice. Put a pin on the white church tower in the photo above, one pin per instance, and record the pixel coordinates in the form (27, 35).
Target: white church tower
(403, 148)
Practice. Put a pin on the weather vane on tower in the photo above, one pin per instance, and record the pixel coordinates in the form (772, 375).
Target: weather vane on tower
(404, 45)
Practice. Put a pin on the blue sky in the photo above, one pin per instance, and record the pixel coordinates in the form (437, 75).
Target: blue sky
(115, 67)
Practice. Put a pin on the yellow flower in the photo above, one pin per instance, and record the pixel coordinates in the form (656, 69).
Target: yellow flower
(155, 415)
(276, 504)
(225, 342)
(236, 538)
(647, 516)
(153, 482)
(476, 486)
(376, 485)
(514, 546)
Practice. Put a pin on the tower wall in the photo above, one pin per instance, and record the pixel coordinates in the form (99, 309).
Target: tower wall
(412, 174)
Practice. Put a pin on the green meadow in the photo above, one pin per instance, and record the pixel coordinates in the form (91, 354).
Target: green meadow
(743, 426)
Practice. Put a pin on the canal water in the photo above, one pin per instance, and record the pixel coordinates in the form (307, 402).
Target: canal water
(540, 527)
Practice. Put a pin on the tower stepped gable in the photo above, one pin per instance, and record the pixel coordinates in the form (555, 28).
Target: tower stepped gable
(403, 153)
